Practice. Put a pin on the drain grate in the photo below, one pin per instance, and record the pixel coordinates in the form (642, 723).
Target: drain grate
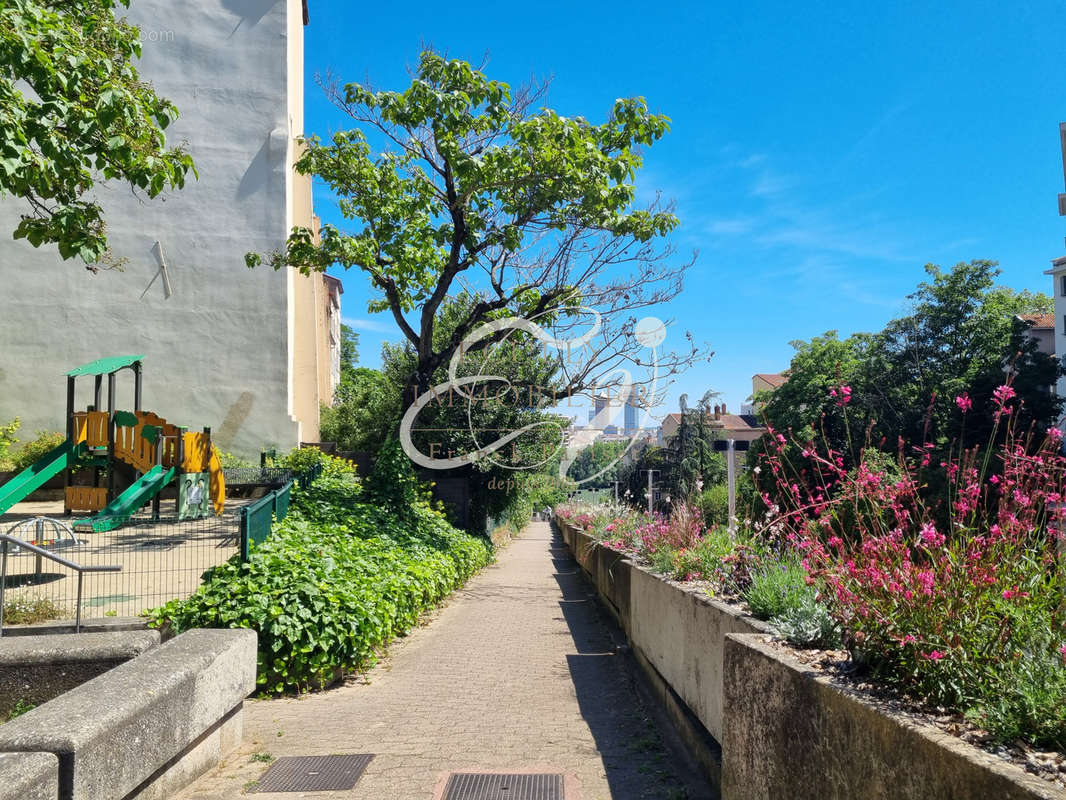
(480, 786)
(313, 773)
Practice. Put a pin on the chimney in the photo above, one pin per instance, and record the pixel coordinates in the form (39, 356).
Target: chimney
(723, 409)
(717, 412)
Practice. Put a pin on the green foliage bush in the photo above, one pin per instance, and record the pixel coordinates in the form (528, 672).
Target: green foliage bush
(713, 504)
(234, 461)
(807, 623)
(8, 438)
(16, 459)
(778, 589)
(338, 578)
(1026, 700)
(28, 610)
(393, 482)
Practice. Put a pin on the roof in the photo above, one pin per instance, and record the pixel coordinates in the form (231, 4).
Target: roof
(729, 422)
(103, 366)
(775, 379)
(1039, 320)
(1057, 265)
(334, 282)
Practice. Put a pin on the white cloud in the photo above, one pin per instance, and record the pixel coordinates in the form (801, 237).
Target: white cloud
(372, 325)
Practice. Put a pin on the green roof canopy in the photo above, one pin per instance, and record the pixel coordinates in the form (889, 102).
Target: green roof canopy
(103, 366)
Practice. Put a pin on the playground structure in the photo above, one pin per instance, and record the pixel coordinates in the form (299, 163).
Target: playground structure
(158, 452)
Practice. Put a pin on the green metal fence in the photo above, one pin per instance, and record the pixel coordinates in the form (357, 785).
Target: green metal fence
(258, 517)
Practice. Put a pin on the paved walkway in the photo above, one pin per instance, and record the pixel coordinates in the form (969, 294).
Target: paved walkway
(516, 673)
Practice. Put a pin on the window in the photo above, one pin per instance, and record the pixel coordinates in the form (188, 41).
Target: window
(1062, 287)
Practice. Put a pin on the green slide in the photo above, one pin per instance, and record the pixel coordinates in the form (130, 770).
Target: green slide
(35, 475)
(126, 504)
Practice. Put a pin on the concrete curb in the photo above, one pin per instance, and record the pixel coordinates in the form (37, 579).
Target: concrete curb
(115, 732)
(29, 776)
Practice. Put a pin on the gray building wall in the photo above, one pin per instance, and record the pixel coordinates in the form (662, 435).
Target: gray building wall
(218, 352)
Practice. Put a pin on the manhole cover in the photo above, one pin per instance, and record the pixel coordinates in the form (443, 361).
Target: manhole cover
(478, 786)
(313, 773)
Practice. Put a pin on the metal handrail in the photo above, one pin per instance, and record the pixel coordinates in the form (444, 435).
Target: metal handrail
(6, 541)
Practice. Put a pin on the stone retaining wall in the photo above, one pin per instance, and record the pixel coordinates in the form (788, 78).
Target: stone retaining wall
(784, 731)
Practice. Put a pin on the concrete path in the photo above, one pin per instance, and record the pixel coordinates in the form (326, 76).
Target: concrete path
(516, 673)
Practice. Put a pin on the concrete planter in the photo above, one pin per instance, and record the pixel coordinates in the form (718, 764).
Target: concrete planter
(677, 637)
(145, 729)
(790, 733)
(783, 729)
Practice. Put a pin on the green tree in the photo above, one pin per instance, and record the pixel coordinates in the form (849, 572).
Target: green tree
(364, 411)
(476, 185)
(961, 335)
(596, 458)
(349, 350)
(695, 462)
(87, 116)
(450, 425)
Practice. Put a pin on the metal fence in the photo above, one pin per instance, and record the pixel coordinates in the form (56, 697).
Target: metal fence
(160, 560)
(257, 518)
(256, 476)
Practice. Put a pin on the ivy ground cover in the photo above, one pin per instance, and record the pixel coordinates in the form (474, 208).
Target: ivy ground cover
(336, 580)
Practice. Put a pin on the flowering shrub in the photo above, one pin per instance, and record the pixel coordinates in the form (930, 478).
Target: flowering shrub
(958, 600)
(680, 546)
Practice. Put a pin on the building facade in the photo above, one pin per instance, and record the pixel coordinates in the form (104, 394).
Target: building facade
(241, 350)
(725, 426)
(1058, 275)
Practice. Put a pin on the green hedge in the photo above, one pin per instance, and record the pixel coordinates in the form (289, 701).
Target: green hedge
(335, 581)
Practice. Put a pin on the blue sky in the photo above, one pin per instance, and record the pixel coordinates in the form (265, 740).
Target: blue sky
(820, 153)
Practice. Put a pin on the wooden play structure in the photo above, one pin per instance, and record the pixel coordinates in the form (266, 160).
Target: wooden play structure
(157, 451)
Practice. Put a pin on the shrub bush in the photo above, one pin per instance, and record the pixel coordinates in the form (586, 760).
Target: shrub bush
(778, 589)
(234, 461)
(807, 623)
(27, 611)
(335, 581)
(32, 450)
(8, 438)
(958, 603)
(713, 505)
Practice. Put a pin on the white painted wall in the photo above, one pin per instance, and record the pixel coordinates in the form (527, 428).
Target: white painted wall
(218, 351)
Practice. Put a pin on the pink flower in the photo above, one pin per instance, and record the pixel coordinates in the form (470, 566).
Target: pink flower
(1062, 652)
(906, 640)
(1009, 594)
(930, 536)
(927, 581)
(835, 541)
(1003, 393)
(994, 479)
(964, 402)
(935, 655)
(1054, 433)
(843, 397)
